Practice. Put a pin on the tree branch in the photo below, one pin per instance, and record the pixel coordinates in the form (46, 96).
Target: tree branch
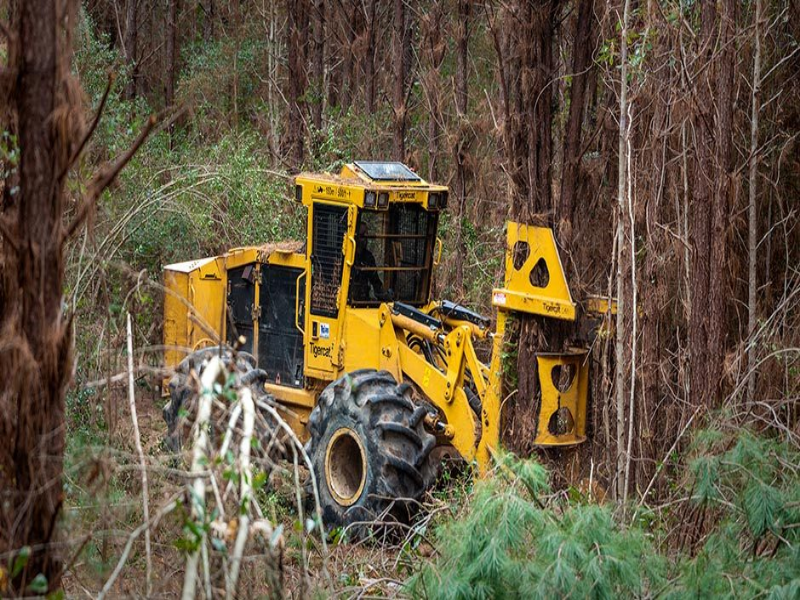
(104, 178)
(75, 155)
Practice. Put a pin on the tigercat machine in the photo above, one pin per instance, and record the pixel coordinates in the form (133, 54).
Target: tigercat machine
(372, 371)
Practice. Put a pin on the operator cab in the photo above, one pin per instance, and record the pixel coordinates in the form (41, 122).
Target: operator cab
(389, 217)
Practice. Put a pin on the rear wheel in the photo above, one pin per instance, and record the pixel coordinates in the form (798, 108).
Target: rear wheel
(182, 389)
(369, 449)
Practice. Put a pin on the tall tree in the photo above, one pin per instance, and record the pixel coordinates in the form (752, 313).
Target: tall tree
(171, 52)
(131, 39)
(35, 332)
(752, 211)
(433, 52)
(523, 36)
(582, 49)
(297, 35)
(399, 94)
(713, 94)
(369, 67)
(460, 144)
(318, 63)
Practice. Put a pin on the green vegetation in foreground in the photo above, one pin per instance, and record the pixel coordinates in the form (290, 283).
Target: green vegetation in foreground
(514, 540)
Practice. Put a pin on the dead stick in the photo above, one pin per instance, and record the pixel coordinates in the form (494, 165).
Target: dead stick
(105, 176)
(111, 77)
(138, 439)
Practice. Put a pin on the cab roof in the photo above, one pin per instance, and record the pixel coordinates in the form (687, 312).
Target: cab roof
(359, 183)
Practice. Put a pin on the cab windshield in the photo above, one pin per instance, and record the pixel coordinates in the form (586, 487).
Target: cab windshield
(394, 254)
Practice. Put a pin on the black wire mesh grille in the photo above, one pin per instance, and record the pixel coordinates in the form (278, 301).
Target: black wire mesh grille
(330, 226)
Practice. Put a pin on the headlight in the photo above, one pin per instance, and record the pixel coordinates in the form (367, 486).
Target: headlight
(369, 199)
(383, 199)
(298, 193)
(433, 201)
(443, 200)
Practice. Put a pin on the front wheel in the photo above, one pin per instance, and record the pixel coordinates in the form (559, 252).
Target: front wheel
(369, 449)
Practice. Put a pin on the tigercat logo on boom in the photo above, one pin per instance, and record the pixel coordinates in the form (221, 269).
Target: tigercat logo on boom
(318, 351)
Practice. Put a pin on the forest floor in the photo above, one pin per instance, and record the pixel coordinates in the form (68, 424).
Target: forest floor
(103, 507)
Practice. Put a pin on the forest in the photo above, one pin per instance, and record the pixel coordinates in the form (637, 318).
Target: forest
(659, 142)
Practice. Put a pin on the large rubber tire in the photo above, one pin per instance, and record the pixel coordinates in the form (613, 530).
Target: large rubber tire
(370, 451)
(181, 389)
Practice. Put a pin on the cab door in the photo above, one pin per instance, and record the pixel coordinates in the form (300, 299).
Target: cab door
(330, 231)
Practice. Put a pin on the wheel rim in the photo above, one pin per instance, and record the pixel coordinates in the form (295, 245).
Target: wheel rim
(345, 466)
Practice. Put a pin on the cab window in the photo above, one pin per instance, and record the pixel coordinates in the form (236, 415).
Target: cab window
(394, 255)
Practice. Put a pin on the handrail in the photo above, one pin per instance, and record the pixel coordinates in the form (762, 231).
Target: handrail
(297, 303)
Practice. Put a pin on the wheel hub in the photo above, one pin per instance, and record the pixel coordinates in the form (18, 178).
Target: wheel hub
(345, 466)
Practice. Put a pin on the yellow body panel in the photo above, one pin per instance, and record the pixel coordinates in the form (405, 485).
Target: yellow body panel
(531, 252)
(193, 306)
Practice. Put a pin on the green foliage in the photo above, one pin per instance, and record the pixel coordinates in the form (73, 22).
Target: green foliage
(749, 483)
(511, 545)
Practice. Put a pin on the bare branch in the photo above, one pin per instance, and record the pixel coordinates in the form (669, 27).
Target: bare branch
(104, 178)
(75, 155)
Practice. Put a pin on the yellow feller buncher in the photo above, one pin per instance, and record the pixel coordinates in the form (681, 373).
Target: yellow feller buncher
(369, 370)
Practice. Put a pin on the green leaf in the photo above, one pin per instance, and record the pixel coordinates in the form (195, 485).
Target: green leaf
(259, 480)
(20, 560)
(762, 505)
(39, 584)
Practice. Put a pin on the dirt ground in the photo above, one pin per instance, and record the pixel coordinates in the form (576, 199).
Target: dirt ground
(103, 507)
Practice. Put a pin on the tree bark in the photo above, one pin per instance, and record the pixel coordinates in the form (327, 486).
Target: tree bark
(369, 75)
(581, 66)
(171, 52)
(624, 265)
(524, 49)
(297, 35)
(701, 371)
(318, 64)
(752, 229)
(35, 334)
(724, 191)
(434, 49)
(131, 30)
(462, 30)
(399, 97)
(208, 20)
(713, 191)
(348, 58)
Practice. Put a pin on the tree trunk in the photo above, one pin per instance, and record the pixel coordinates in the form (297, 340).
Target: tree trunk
(713, 191)
(131, 26)
(399, 101)
(348, 59)
(581, 66)
(35, 334)
(752, 229)
(171, 52)
(461, 142)
(369, 75)
(208, 20)
(624, 266)
(525, 68)
(434, 49)
(236, 46)
(701, 371)
(297, 36)
(318, 64)
(724, 190)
